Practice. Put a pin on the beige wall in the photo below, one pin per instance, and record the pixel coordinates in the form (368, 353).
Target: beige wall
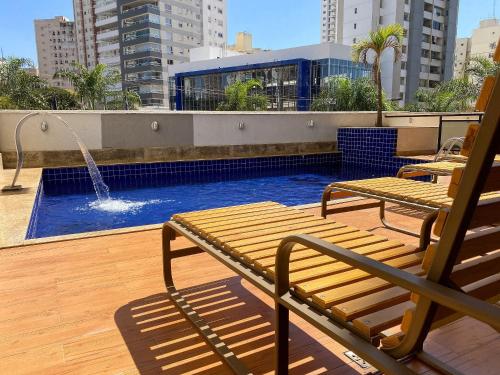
(134, 130)
(416, 141)
(86, 124)
(265, 128)
(119, 130)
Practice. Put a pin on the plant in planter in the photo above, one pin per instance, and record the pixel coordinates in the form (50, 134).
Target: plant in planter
(385, 38)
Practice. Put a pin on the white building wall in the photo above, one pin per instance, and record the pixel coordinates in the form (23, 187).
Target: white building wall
(214, 13)
(485, 38)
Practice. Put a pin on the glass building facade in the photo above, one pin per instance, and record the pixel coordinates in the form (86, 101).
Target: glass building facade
(289, 85)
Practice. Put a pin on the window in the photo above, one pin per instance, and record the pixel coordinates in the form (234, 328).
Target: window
(355, 10)
(355, 26)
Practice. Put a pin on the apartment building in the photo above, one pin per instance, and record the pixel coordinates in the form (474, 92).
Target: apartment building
(428, 45)
(85, 18)
(329, 18)
(483, 42)
(56, 48)
(141, 38)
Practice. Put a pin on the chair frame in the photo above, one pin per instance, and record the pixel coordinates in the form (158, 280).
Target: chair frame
(425, 229)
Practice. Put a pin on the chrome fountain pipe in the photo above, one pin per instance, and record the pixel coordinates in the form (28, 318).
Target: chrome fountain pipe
(100, 187)
(19, 152)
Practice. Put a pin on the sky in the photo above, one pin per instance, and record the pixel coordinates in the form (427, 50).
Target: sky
(274, 24)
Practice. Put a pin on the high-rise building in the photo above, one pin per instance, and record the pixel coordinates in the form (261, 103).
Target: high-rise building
(483, 42)
(141, 38)
(56, 48)
(428, 46)
(85, 31)
(329, 11)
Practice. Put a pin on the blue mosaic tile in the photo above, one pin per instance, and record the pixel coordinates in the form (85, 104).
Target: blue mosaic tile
(372, 147)
(79, 178)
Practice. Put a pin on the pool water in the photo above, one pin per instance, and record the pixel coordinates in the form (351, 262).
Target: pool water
(154, 200)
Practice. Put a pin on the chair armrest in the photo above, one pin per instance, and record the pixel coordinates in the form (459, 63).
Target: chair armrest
(451, 298)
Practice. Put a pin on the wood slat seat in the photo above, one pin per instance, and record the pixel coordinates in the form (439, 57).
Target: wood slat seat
(440, 168)
(432, 195)
(311, 272)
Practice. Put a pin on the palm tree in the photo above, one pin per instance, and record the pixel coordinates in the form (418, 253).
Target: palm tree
(91, 85)
(385, 38)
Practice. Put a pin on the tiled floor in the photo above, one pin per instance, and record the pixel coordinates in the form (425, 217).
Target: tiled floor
(98, 306)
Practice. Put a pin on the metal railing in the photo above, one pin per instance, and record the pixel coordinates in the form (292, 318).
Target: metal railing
(442, 119)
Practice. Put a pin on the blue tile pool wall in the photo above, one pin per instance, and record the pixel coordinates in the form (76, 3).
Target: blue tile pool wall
(371, 147)
(77, 179)
(34, 212)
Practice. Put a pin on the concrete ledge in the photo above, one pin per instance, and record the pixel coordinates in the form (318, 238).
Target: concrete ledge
(37, 159)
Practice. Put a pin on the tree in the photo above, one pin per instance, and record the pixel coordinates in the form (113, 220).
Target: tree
(23, 89)
(479, 67)
(244, 96)
(451, 96)
(59, 98)
(343, 94)
(123, 100)
(92, 86)
(6, 103)
(385, 38)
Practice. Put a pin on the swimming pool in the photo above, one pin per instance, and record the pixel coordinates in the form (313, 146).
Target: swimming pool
(153, 192)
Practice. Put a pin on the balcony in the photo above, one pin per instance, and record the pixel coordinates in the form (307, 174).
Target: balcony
(106, 35)
(143, 9)
(105, 6)
(101, 48)
(112, 60)
(108, 21)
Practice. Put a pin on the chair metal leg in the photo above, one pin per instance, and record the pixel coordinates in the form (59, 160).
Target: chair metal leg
(324, 201)
(168, 235)
(281, 337)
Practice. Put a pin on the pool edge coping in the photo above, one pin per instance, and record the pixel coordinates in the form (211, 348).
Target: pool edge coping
(134, 229)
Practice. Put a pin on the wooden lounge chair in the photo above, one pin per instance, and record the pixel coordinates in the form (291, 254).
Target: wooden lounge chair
(425, 197)
(445, 166)
(459, 275)
(354, 285)
(420, 196)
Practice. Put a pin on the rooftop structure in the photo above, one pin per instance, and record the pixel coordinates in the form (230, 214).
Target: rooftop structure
(291, 77)
(56, 48)
(243, 43)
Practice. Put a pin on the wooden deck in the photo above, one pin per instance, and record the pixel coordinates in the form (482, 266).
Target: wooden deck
(98, 306)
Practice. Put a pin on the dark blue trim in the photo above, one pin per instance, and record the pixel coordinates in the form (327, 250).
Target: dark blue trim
(238, 68)
(303, 85)
(179, 93)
